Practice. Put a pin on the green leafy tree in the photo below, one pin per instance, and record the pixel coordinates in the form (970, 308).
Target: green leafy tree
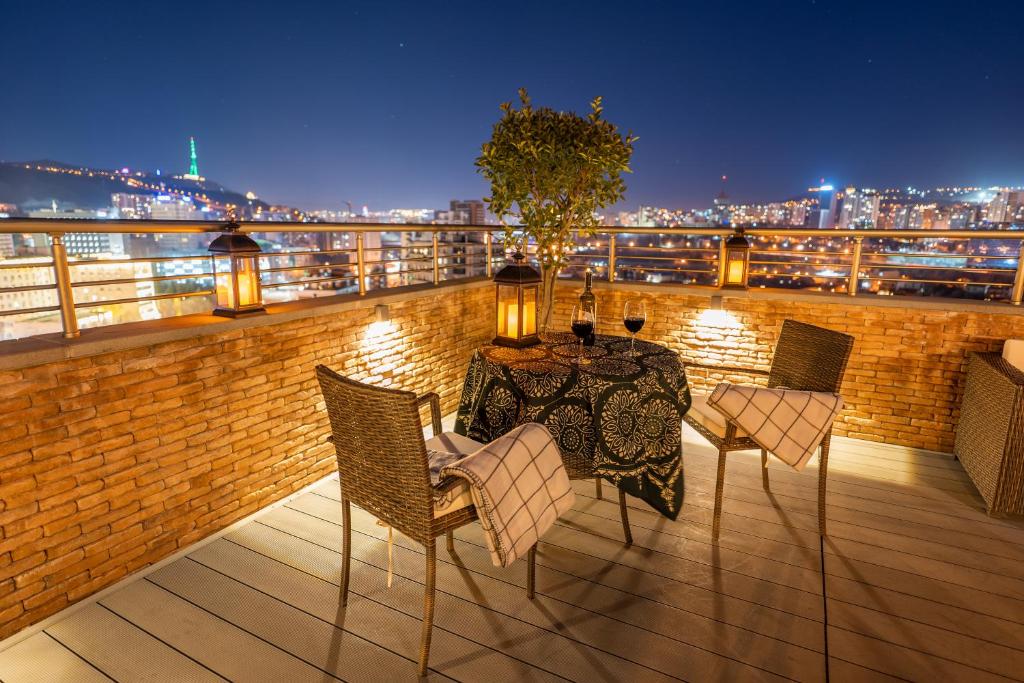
(550, 171)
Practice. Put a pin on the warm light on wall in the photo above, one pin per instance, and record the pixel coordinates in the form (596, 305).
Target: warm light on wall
(381, 324)
(716, 316)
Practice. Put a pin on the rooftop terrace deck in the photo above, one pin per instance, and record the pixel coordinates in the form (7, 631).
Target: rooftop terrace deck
(920, 584)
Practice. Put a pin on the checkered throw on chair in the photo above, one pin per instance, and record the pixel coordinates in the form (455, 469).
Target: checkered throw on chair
(519, 488)
(785, 422)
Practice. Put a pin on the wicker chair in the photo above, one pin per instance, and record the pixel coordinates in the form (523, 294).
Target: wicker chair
(807, 358)
(384, 469)
(990, 433)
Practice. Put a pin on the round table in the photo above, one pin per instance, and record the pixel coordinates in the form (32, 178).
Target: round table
(617, 417)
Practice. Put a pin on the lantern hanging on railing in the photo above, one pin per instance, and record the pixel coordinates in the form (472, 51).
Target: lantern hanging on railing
(735, 261)
(518, 300)
(236, 274)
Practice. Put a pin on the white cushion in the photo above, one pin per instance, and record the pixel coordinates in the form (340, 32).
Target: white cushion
(441, 450)
(1013, 353)
(709, 418)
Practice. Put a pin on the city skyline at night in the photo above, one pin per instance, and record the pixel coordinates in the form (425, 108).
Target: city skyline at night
(381, 104)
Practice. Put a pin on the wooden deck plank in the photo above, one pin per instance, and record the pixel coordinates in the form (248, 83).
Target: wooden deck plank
(920, 584)
(536, 647)
(953, 547)
(627, 610)
(123, 651)
(973, 652)
(41, 659)
(312, 639)
(743, 490)
(396, 631)
(902, 662)
(215, 643)
(769, 589)
(958, 619)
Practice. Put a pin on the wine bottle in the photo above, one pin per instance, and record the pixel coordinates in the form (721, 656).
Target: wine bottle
(589, 302)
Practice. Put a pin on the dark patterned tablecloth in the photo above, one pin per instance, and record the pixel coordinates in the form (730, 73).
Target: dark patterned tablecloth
(618, 417)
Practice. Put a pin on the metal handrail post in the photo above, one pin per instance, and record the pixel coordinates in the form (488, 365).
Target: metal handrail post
(721, 261)
(1017, 294)
(611, 257)
(65, 294)
(360, 264)
(437, 262)
(854, 280)
(488, 241)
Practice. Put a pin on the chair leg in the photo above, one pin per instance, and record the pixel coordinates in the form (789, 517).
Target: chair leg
(764, 470)
(449, 541)
(719, 486)
(531, 570)
(822, 477)
(346, 552)
(597, 488)
(624, 513)
(428, 607)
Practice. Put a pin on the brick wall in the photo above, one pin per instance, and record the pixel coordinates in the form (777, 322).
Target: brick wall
(111, 462)
(905, 377)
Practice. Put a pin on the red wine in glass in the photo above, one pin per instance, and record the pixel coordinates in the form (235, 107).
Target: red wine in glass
(582, 323)
(634, 315)
(583, 328)
(634, 325)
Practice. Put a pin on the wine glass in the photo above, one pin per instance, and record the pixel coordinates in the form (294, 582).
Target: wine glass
(582, 326)
(634, 315)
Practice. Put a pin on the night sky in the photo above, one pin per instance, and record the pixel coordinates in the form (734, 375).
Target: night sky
(386, 103)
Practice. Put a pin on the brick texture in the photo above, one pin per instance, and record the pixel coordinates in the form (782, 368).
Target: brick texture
(112, 462)
(905, 377)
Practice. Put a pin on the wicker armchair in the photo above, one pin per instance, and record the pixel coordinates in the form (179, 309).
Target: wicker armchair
(384, 469)
(990, 433)
(807, 358)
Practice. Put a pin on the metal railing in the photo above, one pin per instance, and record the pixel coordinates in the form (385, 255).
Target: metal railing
(325, 258)
(366, 257)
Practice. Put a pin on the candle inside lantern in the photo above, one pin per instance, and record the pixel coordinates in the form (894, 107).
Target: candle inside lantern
(511, 319)
(529, 318)
(735, 275)
(246, 288)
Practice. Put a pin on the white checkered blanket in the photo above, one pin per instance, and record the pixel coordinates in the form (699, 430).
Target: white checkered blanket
(519, 488)
(787, 423)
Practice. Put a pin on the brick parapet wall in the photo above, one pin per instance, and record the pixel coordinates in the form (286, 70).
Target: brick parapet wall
(114, 458)
(110, 462)
(906, 373)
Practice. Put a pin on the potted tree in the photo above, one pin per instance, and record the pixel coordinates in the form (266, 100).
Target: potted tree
(550, 171)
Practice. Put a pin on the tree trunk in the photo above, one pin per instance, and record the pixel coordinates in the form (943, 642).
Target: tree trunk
(549, 276)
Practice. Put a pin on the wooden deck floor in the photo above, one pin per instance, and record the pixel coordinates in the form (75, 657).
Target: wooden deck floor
(920, 585)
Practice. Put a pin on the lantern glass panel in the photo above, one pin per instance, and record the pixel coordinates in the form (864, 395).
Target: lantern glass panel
(734, 274)
(508, 311)
(224, 283)
(529, 311)
(248, 281)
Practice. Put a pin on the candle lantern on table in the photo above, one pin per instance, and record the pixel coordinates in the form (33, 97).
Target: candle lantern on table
(736, 269)
(517, 299)
(236, 274)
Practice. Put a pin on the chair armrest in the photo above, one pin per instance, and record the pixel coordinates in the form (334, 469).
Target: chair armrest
(435, 410)
(727, 368)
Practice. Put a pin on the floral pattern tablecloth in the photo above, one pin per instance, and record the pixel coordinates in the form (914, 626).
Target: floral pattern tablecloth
(618, 417)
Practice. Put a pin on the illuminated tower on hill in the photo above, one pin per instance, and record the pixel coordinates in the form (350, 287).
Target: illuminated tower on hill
(193, 162)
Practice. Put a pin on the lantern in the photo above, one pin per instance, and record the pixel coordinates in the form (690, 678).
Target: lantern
(518, 298)
(236, 273)
(735, 261)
